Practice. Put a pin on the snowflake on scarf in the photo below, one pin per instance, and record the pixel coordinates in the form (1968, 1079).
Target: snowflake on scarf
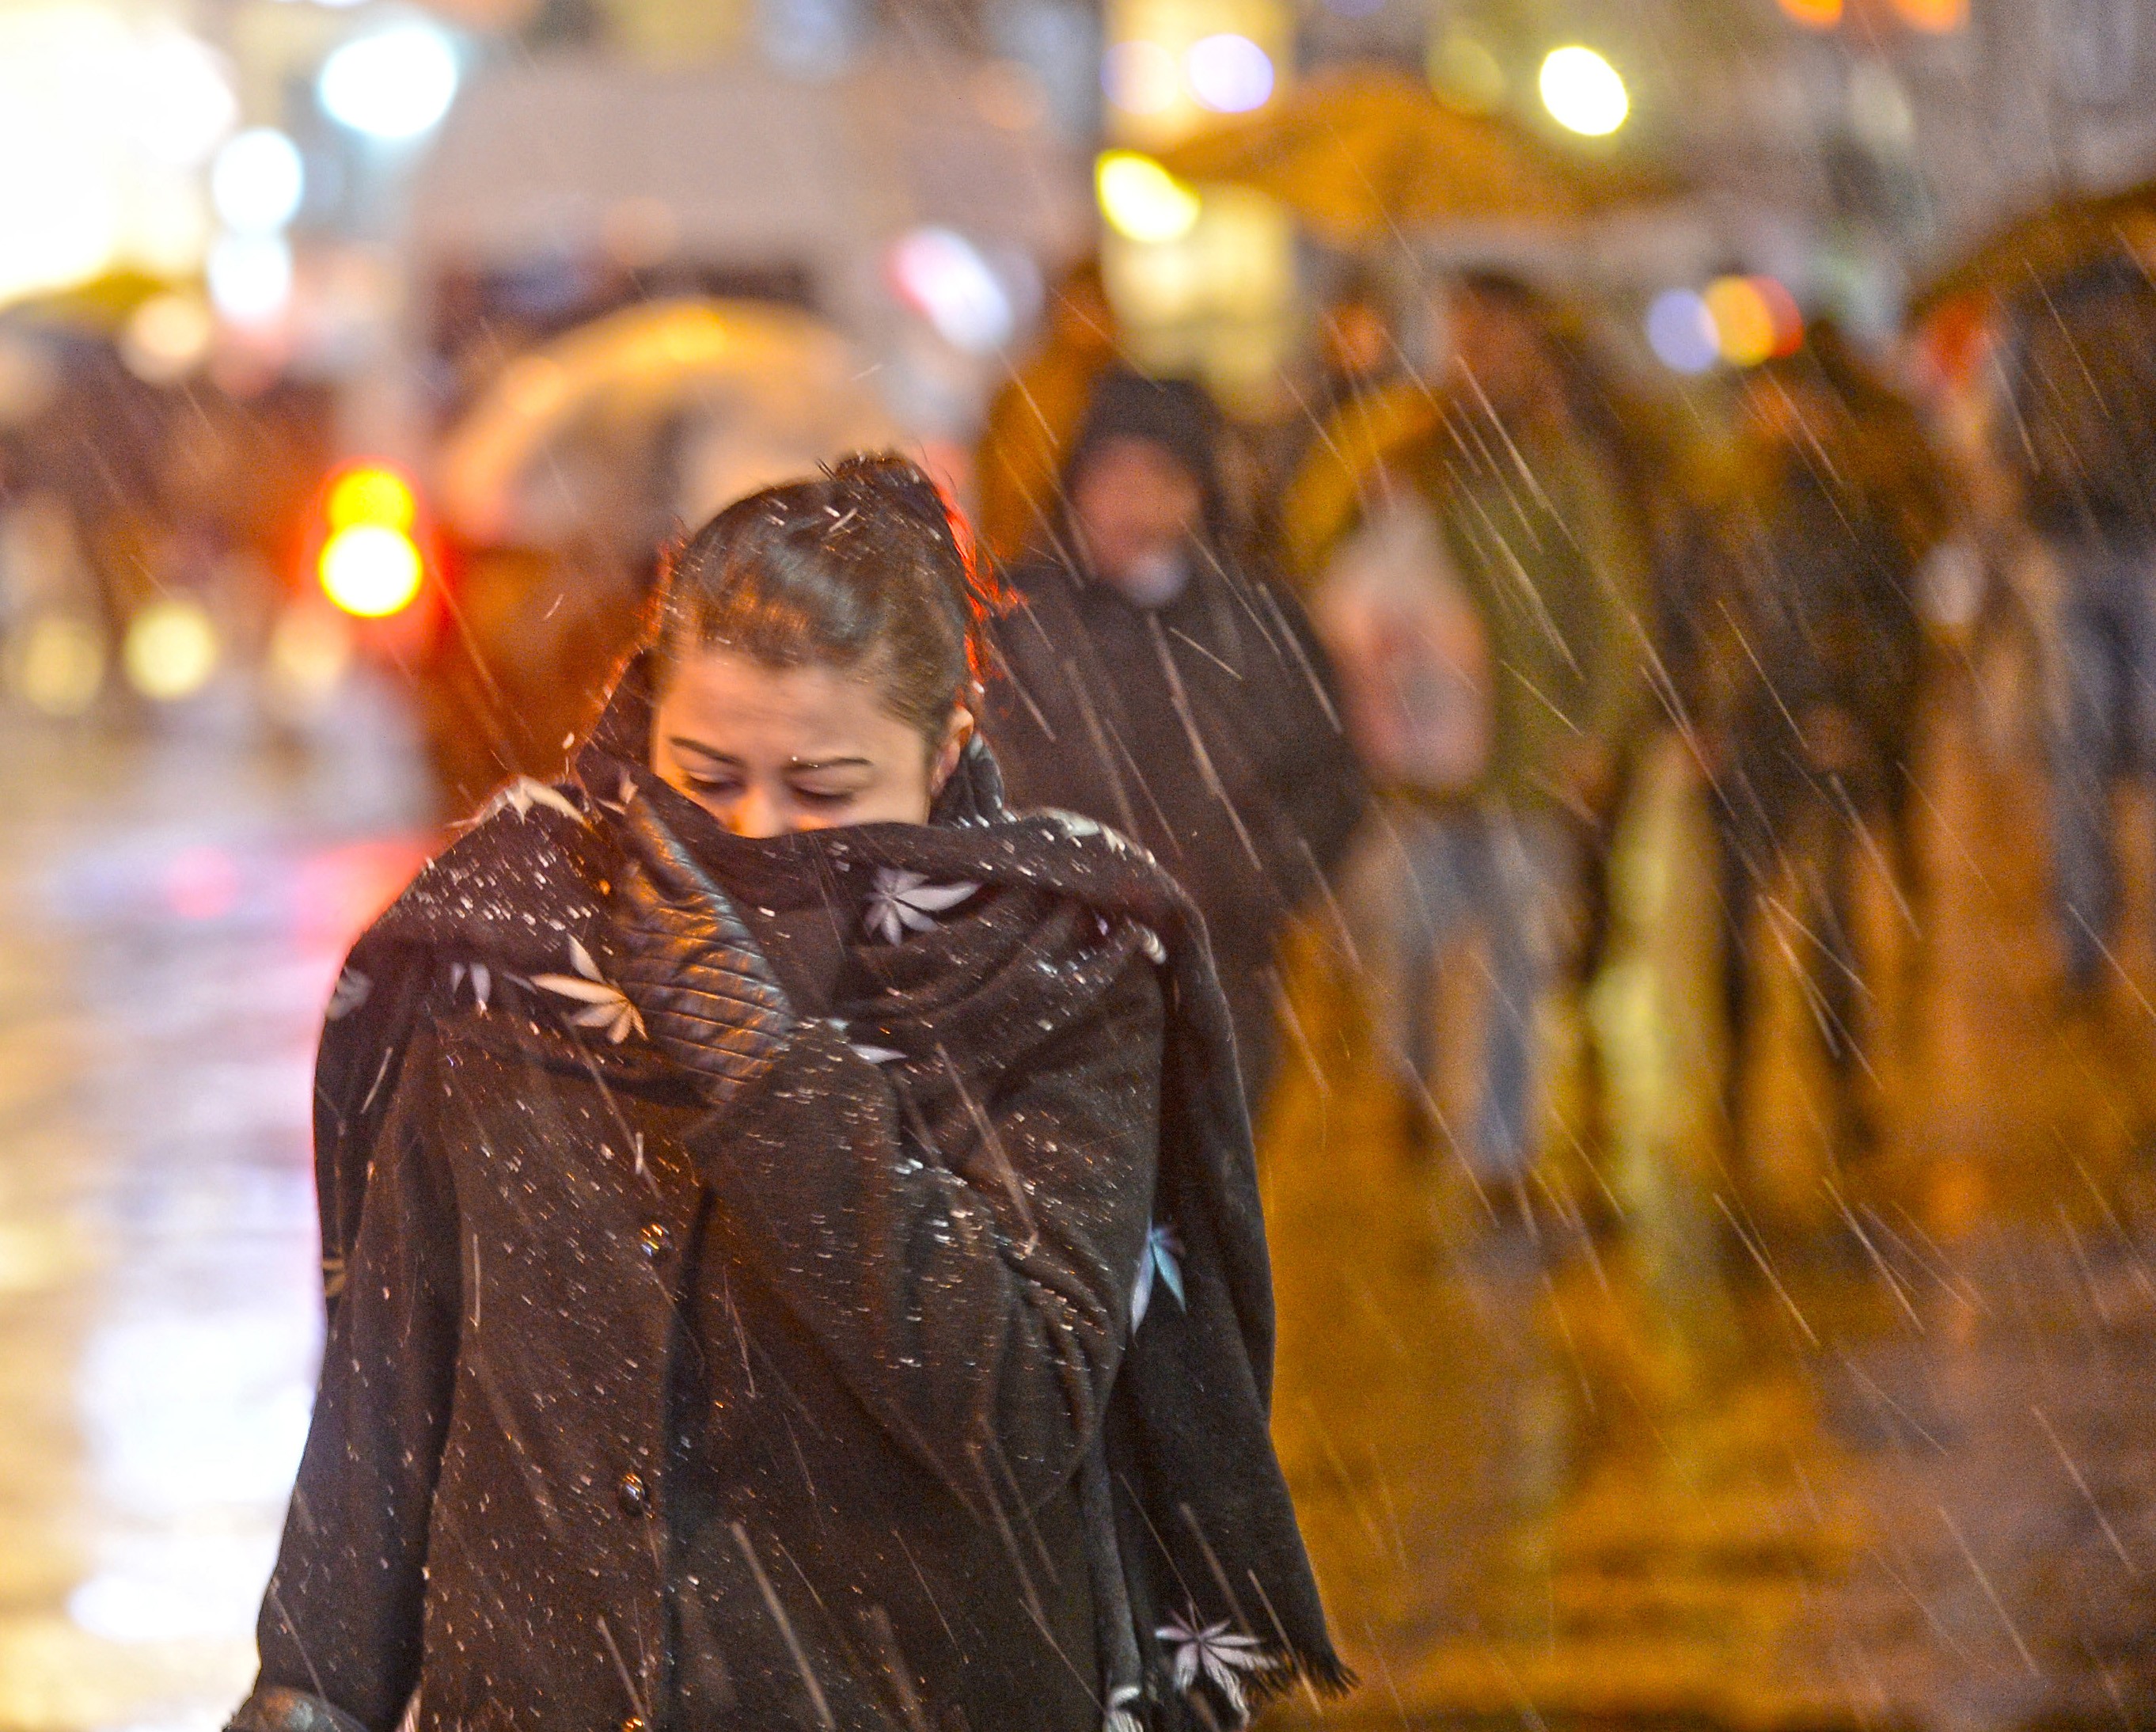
(905, 902)
(524, 793)
(1161, 1257)
(1218, 1654)
(348, 994)
(605, 1005)
(873, 1053)
(482, 982)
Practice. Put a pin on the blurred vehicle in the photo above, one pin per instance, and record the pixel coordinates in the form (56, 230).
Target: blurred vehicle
(634, 293)
(562, 484)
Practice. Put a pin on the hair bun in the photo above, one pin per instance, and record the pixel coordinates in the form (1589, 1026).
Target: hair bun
(867, 556)
(892, 478)
(897, 479)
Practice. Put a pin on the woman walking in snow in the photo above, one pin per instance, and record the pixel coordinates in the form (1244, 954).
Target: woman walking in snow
(792, 1252)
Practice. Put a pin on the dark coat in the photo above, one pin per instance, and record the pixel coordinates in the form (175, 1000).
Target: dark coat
(1205, 729)
(695, 1361)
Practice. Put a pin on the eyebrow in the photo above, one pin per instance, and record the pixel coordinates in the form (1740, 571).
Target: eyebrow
(680, 743)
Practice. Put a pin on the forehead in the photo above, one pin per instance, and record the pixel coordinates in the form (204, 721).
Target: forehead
(723, 699)
(1127, 454)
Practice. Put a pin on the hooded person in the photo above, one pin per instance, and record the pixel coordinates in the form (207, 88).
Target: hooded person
(792, 1251)
(1815, 694)
(1157, 686)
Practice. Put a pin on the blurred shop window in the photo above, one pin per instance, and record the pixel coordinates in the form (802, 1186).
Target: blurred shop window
(1218, 300)
(1202, 278)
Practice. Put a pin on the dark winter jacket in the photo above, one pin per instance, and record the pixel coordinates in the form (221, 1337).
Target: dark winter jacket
(697, 1360)
(1205, 729)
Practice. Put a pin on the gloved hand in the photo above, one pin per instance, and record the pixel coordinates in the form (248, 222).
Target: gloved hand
(708, 996)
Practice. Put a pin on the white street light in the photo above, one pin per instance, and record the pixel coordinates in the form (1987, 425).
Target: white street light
(395, 84)
(1584, 93)
(250, 278)
(257, 181)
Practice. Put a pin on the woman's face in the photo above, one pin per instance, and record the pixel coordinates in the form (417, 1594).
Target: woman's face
(768, 751)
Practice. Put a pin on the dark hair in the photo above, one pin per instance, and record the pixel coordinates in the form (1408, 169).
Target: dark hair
(865, 563)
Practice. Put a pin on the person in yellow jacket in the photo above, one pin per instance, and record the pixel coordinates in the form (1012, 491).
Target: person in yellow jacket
(1035, 415)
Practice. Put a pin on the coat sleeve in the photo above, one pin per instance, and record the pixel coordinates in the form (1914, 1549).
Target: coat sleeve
(964, 1252)
(1316, 781)
(340, 1627)
(1052, 720)
(366, 1038)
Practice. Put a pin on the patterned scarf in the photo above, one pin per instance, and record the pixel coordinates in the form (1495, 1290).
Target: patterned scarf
(1205, 1600)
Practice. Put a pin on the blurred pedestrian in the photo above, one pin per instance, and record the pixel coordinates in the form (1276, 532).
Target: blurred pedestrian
(792, 1239)
(1517, 593)
(2082, 439)
(1355, 359)
(1159, 685)
(1817, 690)
(1035, 414)
(1431, 869)
(1362, 402)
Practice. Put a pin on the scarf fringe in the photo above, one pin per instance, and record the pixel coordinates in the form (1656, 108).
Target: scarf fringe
(1325, 1673)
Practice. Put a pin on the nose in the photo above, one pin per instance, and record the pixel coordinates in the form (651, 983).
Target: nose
(756, 814)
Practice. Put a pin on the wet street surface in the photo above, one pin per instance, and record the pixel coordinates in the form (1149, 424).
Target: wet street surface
(177, 902)
(1671, 1436)
(1772, 1441)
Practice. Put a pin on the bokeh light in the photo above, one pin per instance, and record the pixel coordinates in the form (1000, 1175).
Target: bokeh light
(170, 226)
(1229, 74)
(105, 121)
(371, 570)
(257, 181)
(1813, 14)
(1141, 78)
(171, 650)
(942, 276)
(62, 200)
(1681, 331)
(370, 493)
(309, 650)
(395, 84)
(251, 278)
(59, 665)
(1938, 16)
(1782, 307)
(1141, 200)
(167, 337)
(1755, 318)
(1582, 92)
(182, 102)
(1743, 325)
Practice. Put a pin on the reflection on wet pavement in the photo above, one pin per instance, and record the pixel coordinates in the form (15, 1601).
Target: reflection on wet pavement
(177, 904)
(1761, 1442)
